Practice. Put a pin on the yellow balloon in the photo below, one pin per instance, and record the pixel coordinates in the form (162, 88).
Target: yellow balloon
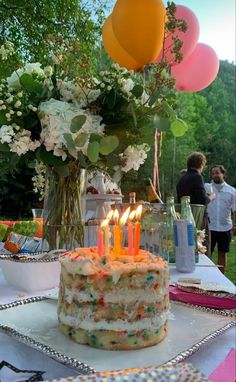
(138, 25)
(114, 50)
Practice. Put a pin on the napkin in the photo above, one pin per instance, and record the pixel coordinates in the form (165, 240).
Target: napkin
(226, 370)
(177, 294)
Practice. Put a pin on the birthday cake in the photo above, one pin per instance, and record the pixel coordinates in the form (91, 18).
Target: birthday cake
(113, 302)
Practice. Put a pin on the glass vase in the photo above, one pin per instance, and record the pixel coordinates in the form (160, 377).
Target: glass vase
(64, 207)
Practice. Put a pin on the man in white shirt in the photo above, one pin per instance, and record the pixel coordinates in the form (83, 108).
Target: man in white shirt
(220, 212)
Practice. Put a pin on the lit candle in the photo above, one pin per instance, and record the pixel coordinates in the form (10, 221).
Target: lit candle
(131, 233)
(137, 230)
(106, 231)
(123, 220)
(116, 234)
(100, 242)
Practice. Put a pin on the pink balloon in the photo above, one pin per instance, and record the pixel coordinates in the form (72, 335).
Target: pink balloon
(189, 38)
(197, 71)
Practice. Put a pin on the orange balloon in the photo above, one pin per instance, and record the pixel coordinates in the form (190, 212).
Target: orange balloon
(138, 25)
(114, 49)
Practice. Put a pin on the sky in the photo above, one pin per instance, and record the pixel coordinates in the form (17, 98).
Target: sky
(217, 25)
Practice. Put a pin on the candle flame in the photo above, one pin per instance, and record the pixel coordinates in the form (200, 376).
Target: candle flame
(104, 223)
(125, 216)
(110, 214)
(132, 215)
(116, 216)
(139, 210)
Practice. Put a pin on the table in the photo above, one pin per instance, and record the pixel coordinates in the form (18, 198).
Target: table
(206, 359)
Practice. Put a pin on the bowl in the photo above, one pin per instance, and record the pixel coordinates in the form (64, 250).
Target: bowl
(31, 275)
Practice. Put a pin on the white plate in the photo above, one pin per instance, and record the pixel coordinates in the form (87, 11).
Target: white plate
(187, 327)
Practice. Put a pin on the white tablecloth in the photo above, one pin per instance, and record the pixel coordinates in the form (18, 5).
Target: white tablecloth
(206, 359)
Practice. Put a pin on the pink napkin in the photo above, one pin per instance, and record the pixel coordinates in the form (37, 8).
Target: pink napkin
(177, 294)
(226, 370)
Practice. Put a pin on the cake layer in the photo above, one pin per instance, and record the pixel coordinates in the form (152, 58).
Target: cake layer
(98, 310)
(116, 340)
(88, 323)
(122, 295)
(89, 263)
(156, 279)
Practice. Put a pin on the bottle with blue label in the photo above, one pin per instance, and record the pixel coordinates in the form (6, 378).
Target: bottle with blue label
(186, 213)
(184, 246)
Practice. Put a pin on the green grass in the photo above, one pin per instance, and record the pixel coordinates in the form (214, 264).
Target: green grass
(231, 261)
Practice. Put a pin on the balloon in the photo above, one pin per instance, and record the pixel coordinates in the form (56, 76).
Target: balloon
(114, 50)
(189, 38)
(197, 71)
(138, 25)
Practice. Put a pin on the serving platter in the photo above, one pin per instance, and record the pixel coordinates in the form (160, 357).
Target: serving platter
(34, 322)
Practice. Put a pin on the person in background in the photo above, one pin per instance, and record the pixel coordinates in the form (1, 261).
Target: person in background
(220, 213)
(183, 171)
(191, 184)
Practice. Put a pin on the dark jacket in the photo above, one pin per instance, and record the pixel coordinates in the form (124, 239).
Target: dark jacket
(191, 184)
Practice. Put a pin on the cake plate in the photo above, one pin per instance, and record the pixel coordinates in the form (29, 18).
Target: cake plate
(34, 321)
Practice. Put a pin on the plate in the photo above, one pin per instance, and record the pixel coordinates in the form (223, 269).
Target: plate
(181, 373)
(208, 287)
(36, 324)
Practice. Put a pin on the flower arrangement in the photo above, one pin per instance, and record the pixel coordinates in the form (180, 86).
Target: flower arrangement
(68, 120)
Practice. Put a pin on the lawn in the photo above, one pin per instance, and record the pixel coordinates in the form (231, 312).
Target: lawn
(231, 264)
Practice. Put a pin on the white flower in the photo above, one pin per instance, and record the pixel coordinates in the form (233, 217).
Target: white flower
(127, 85)
(34, 68)
(48, 71)
(134, 157)
(14, 80)
(56, 117)
(17, 104)
(6, 134)
(22, 143)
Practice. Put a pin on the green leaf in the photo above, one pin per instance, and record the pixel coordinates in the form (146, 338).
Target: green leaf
(82, 160)
(137, 91)
(154, 98)
(48, 158)
(62, 171)
(4, 147)
(81, 140)
(93, 151)
(77, 122)
(31, 85)
(32, 164)
(95, 138)
(133, 115)
(108, 144)
(163, 124)
(111, 99)
(3, 120)
(69, 141)
(178, 127)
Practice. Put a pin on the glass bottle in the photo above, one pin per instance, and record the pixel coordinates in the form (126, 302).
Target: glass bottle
(170, 217)
(132, 197)
(186, 213)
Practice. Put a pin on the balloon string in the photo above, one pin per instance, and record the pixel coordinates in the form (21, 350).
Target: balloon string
(156, 181)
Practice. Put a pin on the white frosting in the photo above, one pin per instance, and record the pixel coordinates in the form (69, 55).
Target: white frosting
(87, 323)
(87, 262)
(125, 295)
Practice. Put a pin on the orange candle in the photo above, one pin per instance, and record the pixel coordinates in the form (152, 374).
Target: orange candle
(131, 234)
(137, 230)
(100, 242)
